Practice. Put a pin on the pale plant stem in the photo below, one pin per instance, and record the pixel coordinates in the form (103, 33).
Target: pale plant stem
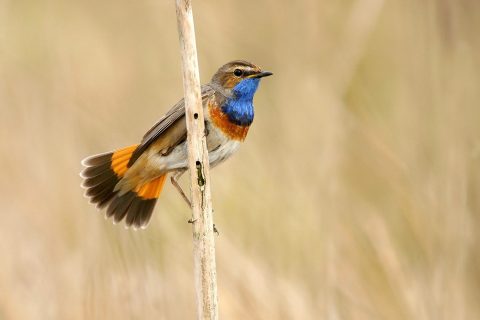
(203, 234)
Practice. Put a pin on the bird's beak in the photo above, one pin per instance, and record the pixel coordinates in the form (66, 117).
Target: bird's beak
(261, 74)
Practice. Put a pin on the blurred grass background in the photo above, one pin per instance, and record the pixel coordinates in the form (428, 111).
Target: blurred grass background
(356, 195)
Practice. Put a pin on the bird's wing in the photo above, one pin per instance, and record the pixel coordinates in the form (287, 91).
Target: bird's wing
(174, 120)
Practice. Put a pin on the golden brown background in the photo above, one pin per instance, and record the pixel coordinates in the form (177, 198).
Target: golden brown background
(356, 195)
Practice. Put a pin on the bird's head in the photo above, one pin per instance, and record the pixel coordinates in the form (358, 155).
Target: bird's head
(239, 77)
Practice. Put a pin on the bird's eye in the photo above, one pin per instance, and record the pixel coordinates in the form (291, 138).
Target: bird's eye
(238, 72)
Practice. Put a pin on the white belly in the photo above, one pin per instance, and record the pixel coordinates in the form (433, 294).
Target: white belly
(220, 147)
(223, 152)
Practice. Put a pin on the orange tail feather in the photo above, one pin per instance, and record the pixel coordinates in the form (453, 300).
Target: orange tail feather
(103, 172)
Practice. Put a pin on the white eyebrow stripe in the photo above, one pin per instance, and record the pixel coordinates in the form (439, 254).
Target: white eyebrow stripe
(244, 68)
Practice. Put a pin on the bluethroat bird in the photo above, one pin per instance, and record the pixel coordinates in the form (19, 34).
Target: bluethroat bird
(128, 181)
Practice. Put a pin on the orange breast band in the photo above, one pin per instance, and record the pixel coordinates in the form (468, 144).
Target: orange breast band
(221, 121)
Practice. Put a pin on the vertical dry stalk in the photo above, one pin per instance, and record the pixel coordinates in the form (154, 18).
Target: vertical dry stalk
(203, 237)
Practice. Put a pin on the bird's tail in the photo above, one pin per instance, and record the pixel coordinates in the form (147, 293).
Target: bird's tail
(103, 172)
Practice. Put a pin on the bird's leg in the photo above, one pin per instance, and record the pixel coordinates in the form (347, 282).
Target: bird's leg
(174, 179)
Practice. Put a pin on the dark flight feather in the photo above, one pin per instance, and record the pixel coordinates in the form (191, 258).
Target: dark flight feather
(176, 113)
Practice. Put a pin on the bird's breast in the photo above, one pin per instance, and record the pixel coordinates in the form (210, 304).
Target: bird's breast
(222, 121)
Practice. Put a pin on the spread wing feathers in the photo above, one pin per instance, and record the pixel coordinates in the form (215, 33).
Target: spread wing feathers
(177, 113)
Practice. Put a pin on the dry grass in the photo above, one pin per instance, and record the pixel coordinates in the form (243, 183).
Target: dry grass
(356, 195)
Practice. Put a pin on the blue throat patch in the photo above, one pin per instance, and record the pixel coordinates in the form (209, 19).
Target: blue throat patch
(239, 108)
